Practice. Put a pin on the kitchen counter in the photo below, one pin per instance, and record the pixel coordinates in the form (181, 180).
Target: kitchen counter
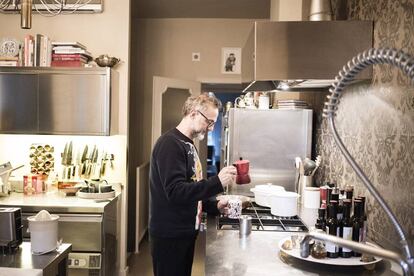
(54, 201)
(259, 254)
(24, 263)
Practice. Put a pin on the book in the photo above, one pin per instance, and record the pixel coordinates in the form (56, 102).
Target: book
(84, 59)
(28, 51)
(9, 63)
(37, 49)
(67, 63)
(69, 43)
(60, 56)
(73, 51)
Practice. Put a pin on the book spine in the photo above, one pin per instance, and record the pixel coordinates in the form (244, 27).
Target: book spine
(37, 51)
(31, 52)
(70, 59)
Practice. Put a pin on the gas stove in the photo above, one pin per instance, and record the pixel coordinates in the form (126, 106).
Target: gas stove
(269, 221)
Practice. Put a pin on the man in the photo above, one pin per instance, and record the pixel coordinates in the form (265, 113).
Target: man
(178, 193)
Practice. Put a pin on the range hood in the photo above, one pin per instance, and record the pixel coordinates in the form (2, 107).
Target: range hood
(301, 55)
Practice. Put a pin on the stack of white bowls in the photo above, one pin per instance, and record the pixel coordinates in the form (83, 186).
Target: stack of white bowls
(282, 203)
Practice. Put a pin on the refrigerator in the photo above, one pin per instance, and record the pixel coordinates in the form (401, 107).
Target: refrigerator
(270, 139)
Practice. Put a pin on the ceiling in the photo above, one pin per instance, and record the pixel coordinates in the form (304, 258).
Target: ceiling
(254, 9)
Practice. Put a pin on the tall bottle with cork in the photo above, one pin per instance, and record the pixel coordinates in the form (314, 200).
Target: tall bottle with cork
(332, 250)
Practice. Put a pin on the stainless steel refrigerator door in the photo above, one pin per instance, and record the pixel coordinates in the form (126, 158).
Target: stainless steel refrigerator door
(270, 140)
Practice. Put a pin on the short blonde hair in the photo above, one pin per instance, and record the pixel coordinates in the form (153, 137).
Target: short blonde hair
(200, 102)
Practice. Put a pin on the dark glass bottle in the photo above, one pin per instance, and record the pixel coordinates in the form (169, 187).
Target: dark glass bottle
(332, 229)
(346, 228)
(321, 221)
(357, 224)
(364, 218)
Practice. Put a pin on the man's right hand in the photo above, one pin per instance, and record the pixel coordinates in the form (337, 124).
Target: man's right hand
(227, 175)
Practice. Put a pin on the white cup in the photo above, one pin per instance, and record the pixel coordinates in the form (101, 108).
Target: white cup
(311, 198)
(235, 208)
(264, 102)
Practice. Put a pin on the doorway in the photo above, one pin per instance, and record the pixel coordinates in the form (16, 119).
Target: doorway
(225, 93)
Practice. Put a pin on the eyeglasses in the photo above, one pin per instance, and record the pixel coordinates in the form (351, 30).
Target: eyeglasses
(209, 122)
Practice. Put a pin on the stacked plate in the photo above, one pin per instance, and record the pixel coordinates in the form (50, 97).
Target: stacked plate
(292, 104)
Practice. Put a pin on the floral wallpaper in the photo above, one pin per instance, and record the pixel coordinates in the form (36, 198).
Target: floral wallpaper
(376, 123)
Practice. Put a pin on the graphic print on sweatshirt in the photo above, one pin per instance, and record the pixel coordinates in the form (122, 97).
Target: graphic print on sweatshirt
(197, 176)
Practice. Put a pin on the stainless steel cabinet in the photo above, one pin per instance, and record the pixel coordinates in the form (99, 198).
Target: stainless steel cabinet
(80, 101)
(18, 99)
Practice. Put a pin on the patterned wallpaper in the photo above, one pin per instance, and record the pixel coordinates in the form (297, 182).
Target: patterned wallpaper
(376, 123)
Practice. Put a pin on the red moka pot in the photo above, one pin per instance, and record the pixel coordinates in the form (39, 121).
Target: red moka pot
(242, 167)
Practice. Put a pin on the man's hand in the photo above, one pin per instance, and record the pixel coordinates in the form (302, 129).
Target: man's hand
(227, 175)
(222, 206)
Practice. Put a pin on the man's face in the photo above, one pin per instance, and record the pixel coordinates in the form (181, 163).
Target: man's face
(204, 120)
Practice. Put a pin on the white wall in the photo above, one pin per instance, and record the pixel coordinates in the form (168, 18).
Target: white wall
(104, 33)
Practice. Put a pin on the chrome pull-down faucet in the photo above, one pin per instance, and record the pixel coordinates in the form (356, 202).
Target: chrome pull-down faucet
(370, 57)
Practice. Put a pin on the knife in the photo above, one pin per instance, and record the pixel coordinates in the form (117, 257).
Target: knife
(65, 154)
(82, 169)
(69, 157)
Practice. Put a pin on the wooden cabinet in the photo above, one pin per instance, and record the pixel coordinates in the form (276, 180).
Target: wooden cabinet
(75, 101)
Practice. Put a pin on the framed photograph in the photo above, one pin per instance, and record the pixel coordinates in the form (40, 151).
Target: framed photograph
(230, 60)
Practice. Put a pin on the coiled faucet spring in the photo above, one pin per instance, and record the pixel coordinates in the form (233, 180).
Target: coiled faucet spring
(369, 57)
(372, 56)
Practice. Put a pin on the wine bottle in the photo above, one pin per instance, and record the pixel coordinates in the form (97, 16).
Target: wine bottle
(321, 221)
(332, 229)
(363, 239)
(346, 228)
(357, 224)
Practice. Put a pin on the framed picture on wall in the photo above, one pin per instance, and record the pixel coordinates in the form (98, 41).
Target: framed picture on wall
(230, 60)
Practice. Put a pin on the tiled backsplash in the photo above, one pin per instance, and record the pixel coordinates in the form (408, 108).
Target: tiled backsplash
(376, 123)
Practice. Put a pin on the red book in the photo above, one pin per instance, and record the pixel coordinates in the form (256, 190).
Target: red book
(67, 63)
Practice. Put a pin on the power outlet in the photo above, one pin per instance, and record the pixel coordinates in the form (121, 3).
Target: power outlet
(195, 57)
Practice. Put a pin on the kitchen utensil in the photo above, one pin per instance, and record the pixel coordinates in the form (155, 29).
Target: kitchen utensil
(308, 166)
(5, 171)
(43, 229)
(107, 61)
(245, 227)
(262, 193)
(317, 162)
(242, 167)
(304, 181)
(284, 204)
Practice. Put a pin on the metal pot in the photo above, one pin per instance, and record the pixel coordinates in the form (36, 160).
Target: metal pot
(242, 167)
(284, 204)
(262, 193)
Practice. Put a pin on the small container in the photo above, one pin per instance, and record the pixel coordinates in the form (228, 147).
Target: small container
(245, 225)
(235, 208)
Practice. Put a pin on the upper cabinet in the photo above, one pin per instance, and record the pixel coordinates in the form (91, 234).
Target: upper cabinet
(72, 101)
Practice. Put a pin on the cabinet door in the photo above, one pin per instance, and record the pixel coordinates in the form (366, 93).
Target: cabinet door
(74, 104)
(18, 103)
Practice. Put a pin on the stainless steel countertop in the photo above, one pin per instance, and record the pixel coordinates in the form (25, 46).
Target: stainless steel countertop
(54, 202)
(23, 259)
(229, 255)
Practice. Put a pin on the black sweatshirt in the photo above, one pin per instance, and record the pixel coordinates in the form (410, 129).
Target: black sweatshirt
(174, 193)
